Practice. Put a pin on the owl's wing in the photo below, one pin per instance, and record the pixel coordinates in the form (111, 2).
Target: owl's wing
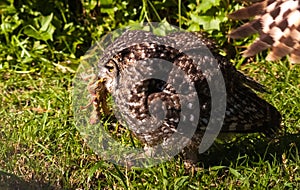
(278, 24)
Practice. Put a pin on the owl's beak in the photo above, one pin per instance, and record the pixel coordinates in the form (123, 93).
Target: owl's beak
(102, 80)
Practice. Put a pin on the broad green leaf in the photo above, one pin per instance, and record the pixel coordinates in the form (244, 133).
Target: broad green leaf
(45, 21)
(205, 5)
(45, 32)
(32, 32)
(194, 27)
(212, 25)
(50, 31)
(208, 22)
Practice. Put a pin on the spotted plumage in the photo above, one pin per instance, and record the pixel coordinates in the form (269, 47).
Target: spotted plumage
(278, 24)
(152, 108)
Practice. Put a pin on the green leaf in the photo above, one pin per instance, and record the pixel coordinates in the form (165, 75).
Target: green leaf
(45, 32)
(205, 5)
(208, 22)
(214, 24)
(235, 172)
(163, 28)
(48, 34)
(194, 27)
(180, 182)
(10, 23)
(32, 32)
(106, 2)
(93, 169)
(217, 167)
(107, 7)
(45, 22)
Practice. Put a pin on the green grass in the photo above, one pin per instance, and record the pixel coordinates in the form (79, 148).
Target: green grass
(41, 147)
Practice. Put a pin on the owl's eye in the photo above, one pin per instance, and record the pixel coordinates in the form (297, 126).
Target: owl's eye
(110, 66)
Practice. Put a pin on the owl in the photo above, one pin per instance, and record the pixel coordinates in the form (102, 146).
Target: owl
(278, 24)
(171, 90)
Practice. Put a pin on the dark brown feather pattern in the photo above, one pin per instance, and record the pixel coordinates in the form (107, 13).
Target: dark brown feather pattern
(278, 24)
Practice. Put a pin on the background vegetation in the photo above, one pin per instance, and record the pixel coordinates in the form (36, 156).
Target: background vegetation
(41, 42)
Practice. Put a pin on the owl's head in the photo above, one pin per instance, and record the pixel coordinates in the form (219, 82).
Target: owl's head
(109, 73)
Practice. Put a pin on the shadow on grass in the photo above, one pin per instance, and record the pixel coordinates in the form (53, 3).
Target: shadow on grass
(255, 149)
(12, 182)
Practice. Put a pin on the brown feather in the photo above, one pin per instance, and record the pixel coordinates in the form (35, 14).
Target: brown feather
(278, 24)
(246, 30)
(248, 12)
